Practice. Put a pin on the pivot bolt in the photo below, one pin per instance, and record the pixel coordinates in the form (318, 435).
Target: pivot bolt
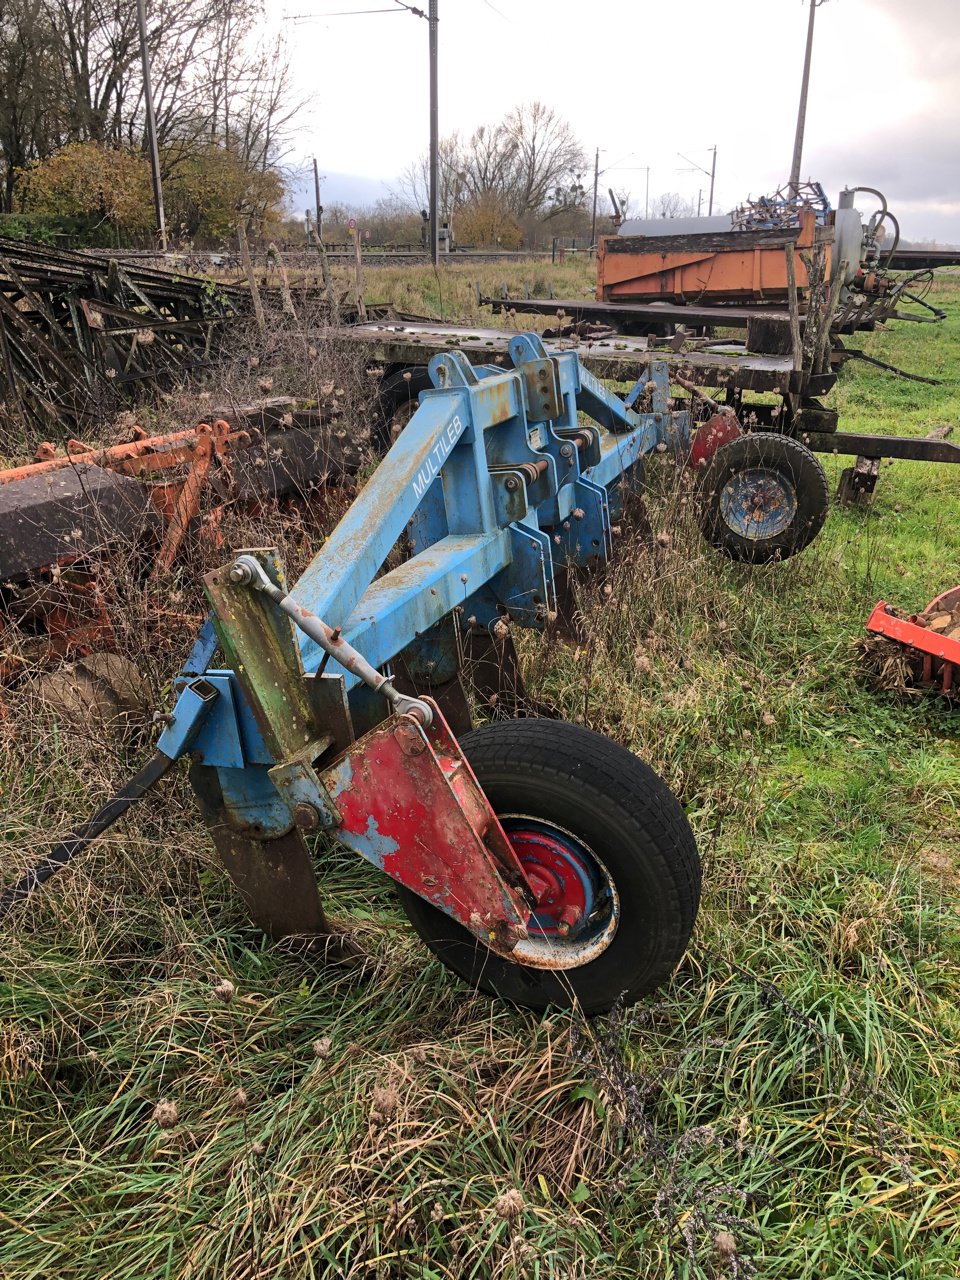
(512, 483)
(566, 450)
(306, 816)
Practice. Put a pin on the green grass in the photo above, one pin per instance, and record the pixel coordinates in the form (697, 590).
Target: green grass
(787, 1107)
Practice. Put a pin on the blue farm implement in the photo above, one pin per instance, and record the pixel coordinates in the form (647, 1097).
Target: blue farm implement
(537, 859)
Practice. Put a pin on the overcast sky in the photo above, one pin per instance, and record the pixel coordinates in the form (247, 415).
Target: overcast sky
(644, 80)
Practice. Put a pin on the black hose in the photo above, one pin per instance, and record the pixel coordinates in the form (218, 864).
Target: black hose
(77, 841)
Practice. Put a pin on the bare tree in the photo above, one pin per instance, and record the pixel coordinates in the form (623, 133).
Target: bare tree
(547, 160)
(414, 184)
(670, 204)
(70, 71)
(32, 119)
(530, 163)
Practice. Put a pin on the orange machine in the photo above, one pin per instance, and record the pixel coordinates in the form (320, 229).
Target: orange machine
(717, 266)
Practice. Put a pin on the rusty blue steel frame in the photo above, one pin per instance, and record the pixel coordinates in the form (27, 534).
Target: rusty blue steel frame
(496, 479)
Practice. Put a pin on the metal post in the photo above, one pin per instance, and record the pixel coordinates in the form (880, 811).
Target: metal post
(699, 201)
(802, 113)
(713, 174)
(433, 20)
(151, 128)
(596, 179)
(646, 198)
(316, 189)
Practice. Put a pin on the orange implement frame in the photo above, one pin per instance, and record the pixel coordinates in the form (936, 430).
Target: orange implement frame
(940, 655)
(717, 266)
(190, 453)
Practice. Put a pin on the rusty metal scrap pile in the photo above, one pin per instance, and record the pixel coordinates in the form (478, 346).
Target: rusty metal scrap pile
(80, 334)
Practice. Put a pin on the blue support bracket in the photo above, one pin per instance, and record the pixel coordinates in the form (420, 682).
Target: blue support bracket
(197, 699)
(501, 478)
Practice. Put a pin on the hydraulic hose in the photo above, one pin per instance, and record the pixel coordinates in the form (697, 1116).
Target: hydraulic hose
(77, 841)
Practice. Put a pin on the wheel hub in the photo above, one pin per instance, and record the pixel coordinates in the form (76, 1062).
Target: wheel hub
(561, 878)
(758, 503)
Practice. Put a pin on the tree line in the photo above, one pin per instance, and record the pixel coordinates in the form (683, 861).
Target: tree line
(72, 112)
(72, 137)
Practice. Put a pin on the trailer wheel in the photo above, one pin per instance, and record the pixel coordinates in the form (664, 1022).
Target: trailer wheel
(608, 850)
(762, 497)
(397, 402)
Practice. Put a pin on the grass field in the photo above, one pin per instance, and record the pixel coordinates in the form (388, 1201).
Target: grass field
(180, 1098)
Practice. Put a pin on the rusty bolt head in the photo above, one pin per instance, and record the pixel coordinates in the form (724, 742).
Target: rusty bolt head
(409, 740)
(306, 816)
(577, 513)
(512, 483)
(566, 450)
(569, 919)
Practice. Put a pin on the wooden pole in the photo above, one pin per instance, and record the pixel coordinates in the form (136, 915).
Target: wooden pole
(328, 288)
(316, 191)
(821, 354)
(794, 306)
(249, 273)
(274, 254)
(802, 111)
(361, 309)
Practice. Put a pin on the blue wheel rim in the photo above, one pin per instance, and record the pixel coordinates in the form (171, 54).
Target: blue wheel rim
(758, 503)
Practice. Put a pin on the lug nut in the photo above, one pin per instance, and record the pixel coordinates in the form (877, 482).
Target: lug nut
(569, 919)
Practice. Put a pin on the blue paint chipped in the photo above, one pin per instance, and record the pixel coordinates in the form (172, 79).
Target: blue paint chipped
(372, 844)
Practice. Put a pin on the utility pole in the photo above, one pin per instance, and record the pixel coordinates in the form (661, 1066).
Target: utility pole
(646, 196)
(151, 129)
(319, 206)
(802, 113)
(596, 179)
(713, 174)
(432, 21)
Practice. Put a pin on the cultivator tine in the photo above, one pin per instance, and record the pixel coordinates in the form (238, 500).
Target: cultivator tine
(275, 877)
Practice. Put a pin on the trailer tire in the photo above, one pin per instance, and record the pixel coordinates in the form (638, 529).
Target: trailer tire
(573, 793)
(763, 497)
(397, 402)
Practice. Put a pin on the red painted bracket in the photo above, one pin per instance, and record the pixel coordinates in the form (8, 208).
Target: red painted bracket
(411, 804)
(711, 436)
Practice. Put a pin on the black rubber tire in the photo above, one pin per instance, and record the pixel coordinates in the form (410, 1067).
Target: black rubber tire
(613, 802)
(398, 395)
(774, 452)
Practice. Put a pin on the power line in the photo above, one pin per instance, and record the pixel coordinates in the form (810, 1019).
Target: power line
(346, 13)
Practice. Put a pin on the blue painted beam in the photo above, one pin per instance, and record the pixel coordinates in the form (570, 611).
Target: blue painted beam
(410, 599)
